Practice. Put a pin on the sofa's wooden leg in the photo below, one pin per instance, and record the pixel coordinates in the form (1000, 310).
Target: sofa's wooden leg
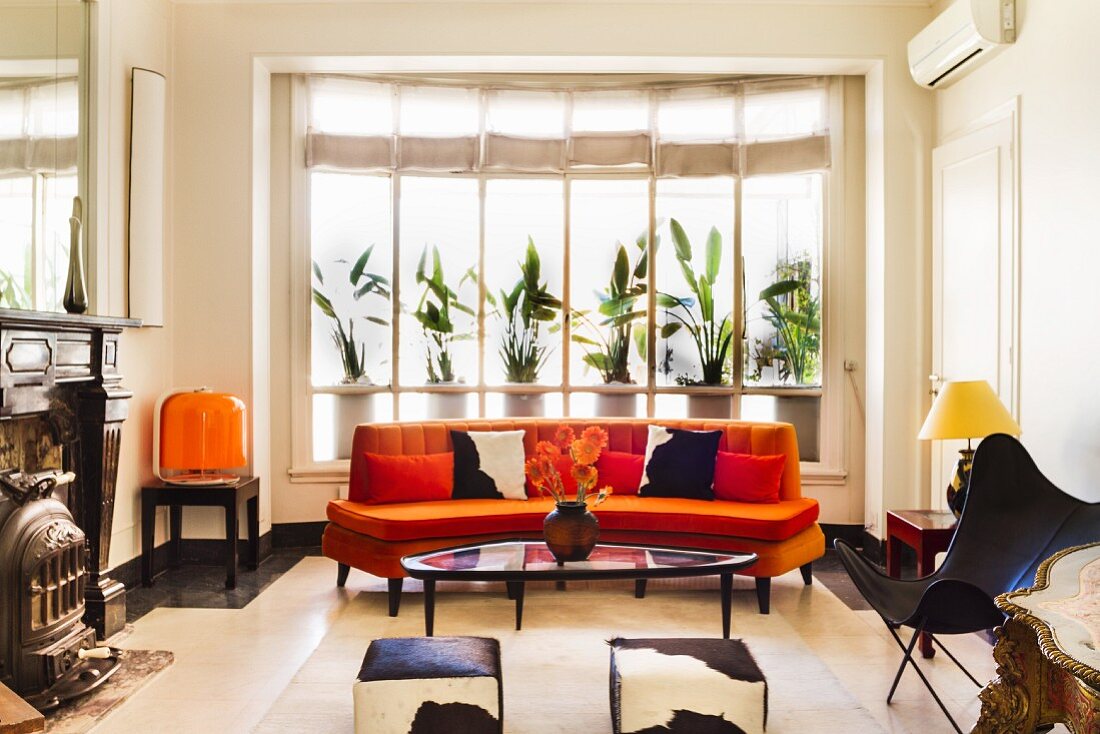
(342, 570)
(395, 595)
(764, 594)
(807, 573)
(639, 588)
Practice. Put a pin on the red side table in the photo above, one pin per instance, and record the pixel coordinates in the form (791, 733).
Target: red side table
(928, 532)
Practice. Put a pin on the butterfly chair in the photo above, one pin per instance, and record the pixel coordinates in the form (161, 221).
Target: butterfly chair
(1014, 518)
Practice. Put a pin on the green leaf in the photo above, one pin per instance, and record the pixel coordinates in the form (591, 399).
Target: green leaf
(316, 273)
(324, 304)
(360, 265)
(420, 274)
(599, 360)
(581, 339)
(641, 342)
(621, 274)
(642, 266)
(680, 241)
(714, 254)
(670, 328)
(780, 288)
(377, 320)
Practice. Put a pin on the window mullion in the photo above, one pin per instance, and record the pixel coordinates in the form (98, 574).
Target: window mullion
(566, 297)
(395, 294)
(481, 292)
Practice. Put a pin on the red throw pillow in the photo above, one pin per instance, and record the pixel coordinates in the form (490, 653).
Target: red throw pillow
(564, 465)
(748, 478)
(407, 478)
(621, 470)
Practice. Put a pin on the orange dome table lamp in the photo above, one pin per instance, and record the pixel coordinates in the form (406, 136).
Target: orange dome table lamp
(197, 435)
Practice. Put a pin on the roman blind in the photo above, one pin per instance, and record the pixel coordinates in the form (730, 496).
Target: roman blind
(38, 127)
(745, 128)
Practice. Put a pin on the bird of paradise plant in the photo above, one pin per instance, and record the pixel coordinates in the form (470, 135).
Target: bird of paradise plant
(543, 472)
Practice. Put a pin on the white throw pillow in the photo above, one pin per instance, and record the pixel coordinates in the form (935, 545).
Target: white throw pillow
(498, 465)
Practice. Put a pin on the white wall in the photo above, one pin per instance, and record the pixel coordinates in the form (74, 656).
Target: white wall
(132, 33)
(213, 220)
(1053, 70)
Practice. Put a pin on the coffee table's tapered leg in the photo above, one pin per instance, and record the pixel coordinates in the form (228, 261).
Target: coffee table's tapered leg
(429, 607)
(517, 591)
(727, 603)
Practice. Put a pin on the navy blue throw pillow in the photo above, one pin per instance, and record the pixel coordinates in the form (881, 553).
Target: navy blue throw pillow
(680, 463)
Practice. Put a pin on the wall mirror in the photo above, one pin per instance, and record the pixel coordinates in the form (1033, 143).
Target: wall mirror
(43, 102)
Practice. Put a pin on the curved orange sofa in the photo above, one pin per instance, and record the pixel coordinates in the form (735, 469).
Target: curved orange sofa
(374, 537)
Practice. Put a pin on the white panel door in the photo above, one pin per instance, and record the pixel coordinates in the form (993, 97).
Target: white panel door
(973, 273)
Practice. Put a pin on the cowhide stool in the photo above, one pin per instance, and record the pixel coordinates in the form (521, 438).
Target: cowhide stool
(430, 685)
(686, 686)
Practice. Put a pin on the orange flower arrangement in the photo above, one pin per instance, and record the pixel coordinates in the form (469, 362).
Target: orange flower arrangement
(584, 451)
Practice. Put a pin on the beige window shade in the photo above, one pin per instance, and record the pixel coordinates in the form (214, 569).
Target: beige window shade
(349, 152)
(38, 155)
(787, 156)
(611, 149)
(737, 128)
(38, 128)
(438, 154)
(527, 155)
(697, 159)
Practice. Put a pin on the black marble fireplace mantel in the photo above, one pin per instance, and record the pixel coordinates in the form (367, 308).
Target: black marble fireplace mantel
(64, 368)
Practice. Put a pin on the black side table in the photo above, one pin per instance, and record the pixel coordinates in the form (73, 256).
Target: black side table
(176, 496)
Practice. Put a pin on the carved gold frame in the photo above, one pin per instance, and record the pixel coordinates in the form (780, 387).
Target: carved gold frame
(1044, 635)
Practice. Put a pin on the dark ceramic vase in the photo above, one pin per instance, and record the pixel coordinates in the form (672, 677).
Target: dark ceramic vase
(571, 531)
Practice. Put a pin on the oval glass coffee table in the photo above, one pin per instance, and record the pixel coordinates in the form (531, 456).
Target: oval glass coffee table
(518, 561)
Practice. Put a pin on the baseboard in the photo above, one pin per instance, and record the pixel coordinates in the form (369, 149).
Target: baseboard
(873, 548)
(849, 533)
(200, 551)
(297, 534)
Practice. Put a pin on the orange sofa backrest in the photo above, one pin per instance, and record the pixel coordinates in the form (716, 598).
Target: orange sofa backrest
(625, 434)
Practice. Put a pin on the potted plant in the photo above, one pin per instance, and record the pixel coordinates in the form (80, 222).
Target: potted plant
(524, 309)
(434, 314)
(712, 336)
(793, 308)
(606, 338)
(570, 530)
(351, 408)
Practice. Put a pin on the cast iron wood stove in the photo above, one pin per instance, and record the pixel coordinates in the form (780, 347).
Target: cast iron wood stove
(47, 654)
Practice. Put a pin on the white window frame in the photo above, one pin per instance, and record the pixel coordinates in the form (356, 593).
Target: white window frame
(829, 470)
(37, 293)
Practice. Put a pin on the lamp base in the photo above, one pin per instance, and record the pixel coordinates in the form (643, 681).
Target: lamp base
(202, 479)
(960, 482)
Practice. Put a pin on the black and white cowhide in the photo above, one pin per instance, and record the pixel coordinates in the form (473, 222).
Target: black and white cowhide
(489, 465)
(680, 463)
(686, 686)
(430, 685)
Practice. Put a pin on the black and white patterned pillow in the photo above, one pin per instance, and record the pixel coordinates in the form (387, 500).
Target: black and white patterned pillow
(489, 465)
(679, 463)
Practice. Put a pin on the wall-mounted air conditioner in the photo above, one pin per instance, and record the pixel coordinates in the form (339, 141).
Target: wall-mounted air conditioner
(959, 39)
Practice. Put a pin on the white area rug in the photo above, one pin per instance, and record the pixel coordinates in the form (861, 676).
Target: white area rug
(828, 667)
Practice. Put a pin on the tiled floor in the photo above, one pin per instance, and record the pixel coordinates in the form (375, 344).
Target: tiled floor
(290, 653)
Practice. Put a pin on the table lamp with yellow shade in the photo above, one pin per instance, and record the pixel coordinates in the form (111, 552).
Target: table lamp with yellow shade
(966, 409)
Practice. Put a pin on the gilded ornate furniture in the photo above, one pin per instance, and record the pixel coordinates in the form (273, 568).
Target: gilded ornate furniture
(1014, 519)
(1048, 651)
(927, 532)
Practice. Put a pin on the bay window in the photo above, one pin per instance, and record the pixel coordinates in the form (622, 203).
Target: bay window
(611, 250)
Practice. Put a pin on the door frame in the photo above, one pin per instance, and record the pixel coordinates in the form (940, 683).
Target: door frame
(1008, 275)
